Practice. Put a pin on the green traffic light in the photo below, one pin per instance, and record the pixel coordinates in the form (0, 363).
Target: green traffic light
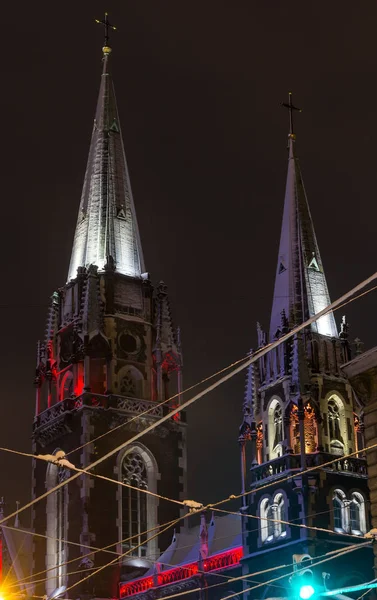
(306, 592)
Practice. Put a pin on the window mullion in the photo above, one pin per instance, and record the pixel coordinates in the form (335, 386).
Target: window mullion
(138, 524)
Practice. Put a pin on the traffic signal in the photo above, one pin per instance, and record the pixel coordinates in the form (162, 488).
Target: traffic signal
(303, 580)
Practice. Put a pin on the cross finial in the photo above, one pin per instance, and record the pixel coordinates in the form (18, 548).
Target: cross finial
(291, 108)
(107, 25)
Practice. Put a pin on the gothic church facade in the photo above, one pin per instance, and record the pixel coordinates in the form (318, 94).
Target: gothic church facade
(110, 354)
(301, 412)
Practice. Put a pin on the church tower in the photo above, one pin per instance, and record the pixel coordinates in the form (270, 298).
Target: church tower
(110, 354)
(300, 412)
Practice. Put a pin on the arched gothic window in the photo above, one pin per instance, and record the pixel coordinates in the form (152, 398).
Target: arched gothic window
(357, 514)
(134, 503)
(131, 383)
(349, 515)
(279, 506)
(266, 524)
(338, 504)
(56, 527)
(334, 420)
(137, 467)
(272, 512)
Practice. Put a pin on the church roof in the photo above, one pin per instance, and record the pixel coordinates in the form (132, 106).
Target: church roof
(217, 547)
(300, 284)
(107, 225)
(224, 533)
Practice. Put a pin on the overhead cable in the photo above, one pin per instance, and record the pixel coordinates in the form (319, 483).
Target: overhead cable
(339, 302)
(329, 556)
(290, 523)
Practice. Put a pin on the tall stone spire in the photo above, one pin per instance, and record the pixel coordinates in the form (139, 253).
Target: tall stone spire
(300, 284)
(107, 227)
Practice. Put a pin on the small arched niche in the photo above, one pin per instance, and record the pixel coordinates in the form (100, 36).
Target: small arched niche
(336, 424)
(275, 428)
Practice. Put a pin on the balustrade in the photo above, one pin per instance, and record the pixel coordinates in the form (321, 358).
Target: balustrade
(292, 462)
(133, 406)
(223, 560)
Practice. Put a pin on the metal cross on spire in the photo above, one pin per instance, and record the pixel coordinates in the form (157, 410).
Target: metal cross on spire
(291, 108)
(107, 26)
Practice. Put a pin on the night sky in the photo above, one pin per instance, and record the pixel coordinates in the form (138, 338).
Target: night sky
(199, 87)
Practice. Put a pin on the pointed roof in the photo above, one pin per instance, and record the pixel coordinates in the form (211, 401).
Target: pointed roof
(107, 224)
(300, 284)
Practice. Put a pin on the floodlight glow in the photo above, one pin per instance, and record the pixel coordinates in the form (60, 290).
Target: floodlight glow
(306, 592)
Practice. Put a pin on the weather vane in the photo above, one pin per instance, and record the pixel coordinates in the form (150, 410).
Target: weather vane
(291, 108)
(107, 26)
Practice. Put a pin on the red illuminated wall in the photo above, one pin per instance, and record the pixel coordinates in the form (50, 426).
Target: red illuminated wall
(212, 563)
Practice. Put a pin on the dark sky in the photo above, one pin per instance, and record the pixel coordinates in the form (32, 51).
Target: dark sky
(199, 87)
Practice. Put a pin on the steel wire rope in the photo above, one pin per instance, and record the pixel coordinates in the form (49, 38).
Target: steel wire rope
(261, 352)
(229, 580)
(32, 583)
(94, 550)
(330, 556)
(208, 506)
(330, 462)
(103, 477)
(290, 523)
(213, 506)
(152, 408)
(157, 405)
(201, 572)
(105, 548)
(172, 523)
(298, 473)
(180, 502)
(192, 387)
(271, 581)
(45, 579)
(362, 595)
(148, 557)
(124, 554)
